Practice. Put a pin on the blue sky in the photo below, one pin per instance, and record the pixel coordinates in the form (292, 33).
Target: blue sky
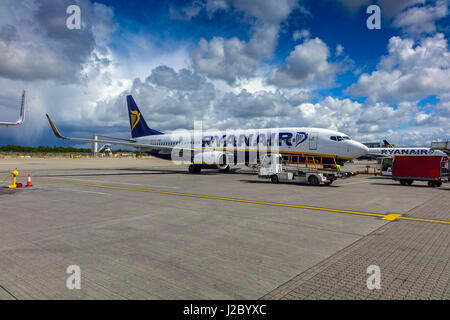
(229, 63)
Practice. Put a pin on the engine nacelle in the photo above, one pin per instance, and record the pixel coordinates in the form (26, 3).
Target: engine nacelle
(212, 158)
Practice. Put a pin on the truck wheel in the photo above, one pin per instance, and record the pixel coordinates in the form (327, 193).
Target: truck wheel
(431, 184)
(313, 181)
(274, 179)
(410, 182)
(328, 183)
(403, 182)
(438, 184)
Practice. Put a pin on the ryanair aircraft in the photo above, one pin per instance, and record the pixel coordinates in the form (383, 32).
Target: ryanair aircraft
(222, 149)
(404, 151)
(21, 116)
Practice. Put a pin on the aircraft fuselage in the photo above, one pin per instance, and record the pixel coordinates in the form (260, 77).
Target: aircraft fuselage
(245, 145)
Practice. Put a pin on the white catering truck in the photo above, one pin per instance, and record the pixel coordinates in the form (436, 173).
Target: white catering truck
(272, 168)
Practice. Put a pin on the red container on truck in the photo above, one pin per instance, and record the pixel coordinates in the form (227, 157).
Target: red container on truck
(432, 168)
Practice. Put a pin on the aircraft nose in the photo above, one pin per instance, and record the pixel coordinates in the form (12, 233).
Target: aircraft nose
(360, 149)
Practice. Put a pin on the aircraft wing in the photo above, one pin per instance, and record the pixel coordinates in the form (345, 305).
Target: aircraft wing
(112, 140)
(21, 116)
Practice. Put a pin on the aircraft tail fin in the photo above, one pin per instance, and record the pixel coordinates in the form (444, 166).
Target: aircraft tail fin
(386, 144)
(139, 127)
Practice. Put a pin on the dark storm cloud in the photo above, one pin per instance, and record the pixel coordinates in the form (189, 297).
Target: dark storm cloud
(183, 80)
(37, 45)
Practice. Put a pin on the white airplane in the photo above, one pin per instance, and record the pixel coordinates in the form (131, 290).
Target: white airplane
(220, 150)
(388, 150)
(21, 116)
(404, 151)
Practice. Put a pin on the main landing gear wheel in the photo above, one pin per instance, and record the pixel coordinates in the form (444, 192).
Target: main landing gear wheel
(313, 181)
(274, 179)
(194, 169)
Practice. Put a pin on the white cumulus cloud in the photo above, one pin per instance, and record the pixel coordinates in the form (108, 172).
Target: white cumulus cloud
(409, 72)
(308, 62)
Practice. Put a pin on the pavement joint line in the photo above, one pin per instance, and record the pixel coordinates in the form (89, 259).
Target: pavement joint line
(380, 215)
(8, 292)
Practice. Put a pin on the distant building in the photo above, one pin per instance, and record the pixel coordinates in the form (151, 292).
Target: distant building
(384, 144)
(373, 144)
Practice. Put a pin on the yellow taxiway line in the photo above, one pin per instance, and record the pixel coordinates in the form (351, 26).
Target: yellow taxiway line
(424, 220)
(388, 217)
(224, 198)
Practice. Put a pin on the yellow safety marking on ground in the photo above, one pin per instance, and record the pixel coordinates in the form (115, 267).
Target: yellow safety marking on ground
(391, 216)
(388, 217)
(424, 220)
(219, 198)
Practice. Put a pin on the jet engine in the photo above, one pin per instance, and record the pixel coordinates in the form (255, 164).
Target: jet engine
(212, 159)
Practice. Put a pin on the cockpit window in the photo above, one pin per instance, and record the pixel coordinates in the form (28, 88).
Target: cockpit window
(339, 138)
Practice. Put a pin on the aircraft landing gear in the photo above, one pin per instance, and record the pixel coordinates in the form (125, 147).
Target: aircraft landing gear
(194, 169)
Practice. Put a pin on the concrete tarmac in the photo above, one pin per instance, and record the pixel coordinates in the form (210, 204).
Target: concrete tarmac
(146, 229)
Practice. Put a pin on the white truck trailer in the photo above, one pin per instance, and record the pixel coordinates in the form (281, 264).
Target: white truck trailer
(272, 168)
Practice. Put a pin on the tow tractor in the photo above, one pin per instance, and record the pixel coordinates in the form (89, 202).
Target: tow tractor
(272, 168)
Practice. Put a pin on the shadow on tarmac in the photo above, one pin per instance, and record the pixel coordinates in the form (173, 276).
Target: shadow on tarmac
(290, 183)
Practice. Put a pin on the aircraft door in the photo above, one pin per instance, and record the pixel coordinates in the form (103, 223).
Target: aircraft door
(313, 140)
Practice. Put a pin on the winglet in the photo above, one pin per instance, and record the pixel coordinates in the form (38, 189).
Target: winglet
(55, 130)
(22, 110)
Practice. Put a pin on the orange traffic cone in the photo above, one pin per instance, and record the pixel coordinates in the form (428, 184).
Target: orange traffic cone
(29, 181)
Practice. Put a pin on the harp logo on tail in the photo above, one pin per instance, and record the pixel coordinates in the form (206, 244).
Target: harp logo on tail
(135, 116)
